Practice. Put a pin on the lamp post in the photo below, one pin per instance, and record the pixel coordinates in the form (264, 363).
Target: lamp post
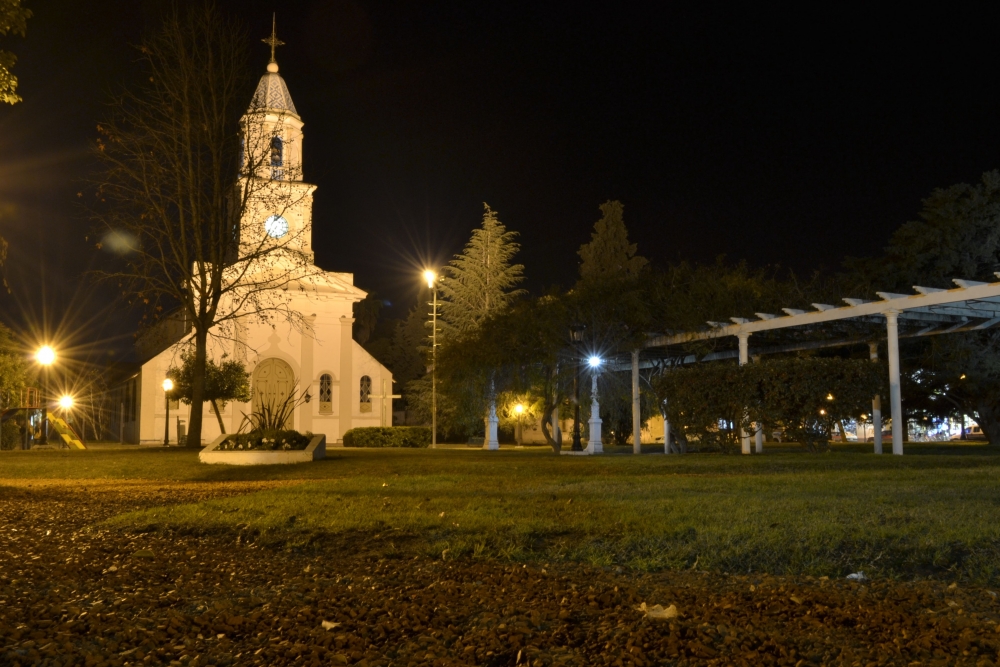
(595, 446)
(576, 335)
(431, 278)
(45, 356)
(168, 386)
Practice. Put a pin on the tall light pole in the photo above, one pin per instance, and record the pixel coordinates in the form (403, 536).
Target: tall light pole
(45, 356)
(576, 336)
(431, 278)
(168, 386)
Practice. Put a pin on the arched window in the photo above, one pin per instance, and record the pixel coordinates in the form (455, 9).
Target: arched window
(277, 158)
(366, 394)
(326, 393)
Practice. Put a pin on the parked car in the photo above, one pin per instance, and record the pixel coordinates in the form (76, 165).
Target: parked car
(971, 433)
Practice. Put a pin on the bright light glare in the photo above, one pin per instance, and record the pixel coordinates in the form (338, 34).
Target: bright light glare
(829, 397)
(46, 356)
(430, 277)
(518, 408)
(66, 402)
(594, 362)
(168, 385)
(822, 412)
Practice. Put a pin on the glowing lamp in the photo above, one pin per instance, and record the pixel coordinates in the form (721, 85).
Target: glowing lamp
(519, 408)
(822, 412)
(829, 397)
(594, 362)
(168, 385)
(66, 402)
(430, 277)
(46, 356)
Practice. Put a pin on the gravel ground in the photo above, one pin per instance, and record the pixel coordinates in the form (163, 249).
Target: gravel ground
(73, 594)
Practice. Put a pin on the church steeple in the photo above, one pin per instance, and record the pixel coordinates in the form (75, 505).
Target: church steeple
(272, 93)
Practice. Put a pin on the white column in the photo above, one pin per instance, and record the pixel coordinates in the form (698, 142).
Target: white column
(895, 399)
(491, 441)
(876, 404)
(594, 445)
(636, 419)
(744, 358)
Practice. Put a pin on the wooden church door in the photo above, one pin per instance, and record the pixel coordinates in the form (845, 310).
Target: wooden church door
(273, 382)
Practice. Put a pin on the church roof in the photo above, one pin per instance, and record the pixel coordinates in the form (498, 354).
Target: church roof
(272, 93)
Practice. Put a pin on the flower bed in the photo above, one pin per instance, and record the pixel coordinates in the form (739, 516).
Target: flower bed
(266, 441)
(262, 454)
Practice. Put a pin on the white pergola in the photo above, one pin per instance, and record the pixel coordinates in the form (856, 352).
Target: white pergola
(970, 306)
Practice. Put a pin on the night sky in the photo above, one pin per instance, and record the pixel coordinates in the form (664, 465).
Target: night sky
(778, 137)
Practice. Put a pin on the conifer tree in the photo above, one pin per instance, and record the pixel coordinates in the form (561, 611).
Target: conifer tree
(609, 255)
(480, 281)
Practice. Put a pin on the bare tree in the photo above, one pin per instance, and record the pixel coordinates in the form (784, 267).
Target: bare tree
(195, 188)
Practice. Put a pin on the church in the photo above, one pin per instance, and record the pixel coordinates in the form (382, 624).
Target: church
(312, 354)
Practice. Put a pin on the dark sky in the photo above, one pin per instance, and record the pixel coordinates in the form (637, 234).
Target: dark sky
(789, 137)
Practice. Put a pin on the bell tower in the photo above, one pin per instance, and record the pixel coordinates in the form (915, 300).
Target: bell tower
(279, 206)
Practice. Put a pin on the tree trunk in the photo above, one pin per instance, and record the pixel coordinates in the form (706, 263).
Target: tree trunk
(547, 427)
(218, 415)
(198, 386)
(988, 418)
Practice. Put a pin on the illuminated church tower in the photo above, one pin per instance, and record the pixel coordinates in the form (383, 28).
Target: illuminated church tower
(312, 351)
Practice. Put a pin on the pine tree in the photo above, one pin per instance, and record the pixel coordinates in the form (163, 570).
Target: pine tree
(480, 282)
(609, 255)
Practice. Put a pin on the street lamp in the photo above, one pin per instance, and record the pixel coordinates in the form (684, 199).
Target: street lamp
(168, 386)
(45, 355)
(66, 402)
(576, 336)
(431, 278)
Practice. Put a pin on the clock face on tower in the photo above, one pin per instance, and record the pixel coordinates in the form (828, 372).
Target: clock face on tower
(276, 226)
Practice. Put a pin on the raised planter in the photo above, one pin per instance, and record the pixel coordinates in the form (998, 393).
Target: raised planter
(315, 451)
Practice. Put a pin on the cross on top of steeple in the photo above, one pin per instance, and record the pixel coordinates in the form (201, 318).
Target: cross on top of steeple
(273, 40)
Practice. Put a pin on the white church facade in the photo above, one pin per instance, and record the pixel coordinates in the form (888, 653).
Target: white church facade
(313, 354)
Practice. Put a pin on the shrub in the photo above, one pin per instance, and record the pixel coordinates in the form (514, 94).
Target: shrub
(273, 440)
(388, 436)
(10, 435)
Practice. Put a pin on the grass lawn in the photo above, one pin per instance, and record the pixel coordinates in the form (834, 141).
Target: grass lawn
(935, 511)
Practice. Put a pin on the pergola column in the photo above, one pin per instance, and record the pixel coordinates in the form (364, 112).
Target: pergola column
(895, 399)
(636, 418)
(744, 358)
(876, 404)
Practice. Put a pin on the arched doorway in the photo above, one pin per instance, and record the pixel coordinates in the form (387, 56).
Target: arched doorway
(273, 382)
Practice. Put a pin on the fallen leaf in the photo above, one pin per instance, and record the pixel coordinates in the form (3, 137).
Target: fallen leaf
(657, 612)
(330, 625)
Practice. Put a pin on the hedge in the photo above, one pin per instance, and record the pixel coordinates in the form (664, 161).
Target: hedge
(803, 396)
(388, 436)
